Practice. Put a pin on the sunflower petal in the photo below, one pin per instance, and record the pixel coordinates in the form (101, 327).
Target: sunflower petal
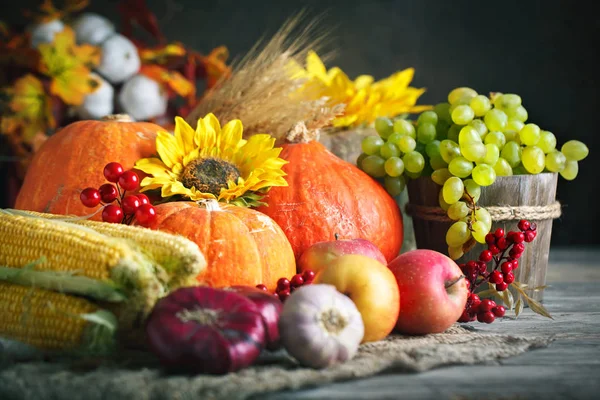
(184, 134)
(153, 166)
(231, 135)
(166, 146)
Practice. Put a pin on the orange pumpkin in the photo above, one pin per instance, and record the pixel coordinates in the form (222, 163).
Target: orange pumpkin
(74, 158)
(242, 246)
(328, 196)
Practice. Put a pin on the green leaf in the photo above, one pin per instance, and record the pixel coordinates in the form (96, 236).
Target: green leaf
(538, 308)
(519, 306)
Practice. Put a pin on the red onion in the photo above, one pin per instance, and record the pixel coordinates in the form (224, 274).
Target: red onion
(206, 330)
(270, 309)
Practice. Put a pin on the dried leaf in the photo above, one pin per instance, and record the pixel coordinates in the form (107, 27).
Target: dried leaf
(507, 298)
(519, 306)
(538, 288)
(487, 293)
(162, 53)
(538, 308)
(172, 79)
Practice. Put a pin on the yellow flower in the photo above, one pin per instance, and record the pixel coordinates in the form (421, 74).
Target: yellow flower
(69, 67)
(213, 163)
(30, 108)
(364, 99)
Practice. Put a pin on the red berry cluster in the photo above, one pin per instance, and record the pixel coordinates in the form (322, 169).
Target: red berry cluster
(504, 251)
(129, 205)
(285, 286)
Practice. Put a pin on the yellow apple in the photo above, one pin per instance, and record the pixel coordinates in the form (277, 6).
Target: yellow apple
(371, 286)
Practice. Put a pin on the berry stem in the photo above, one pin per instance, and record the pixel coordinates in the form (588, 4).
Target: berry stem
(454, 282)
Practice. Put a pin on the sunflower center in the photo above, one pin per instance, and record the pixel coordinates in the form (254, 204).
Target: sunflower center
(209, 175)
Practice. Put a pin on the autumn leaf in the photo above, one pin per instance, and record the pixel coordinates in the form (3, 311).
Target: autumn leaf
(161, 54)
(172, 79)
(538, 308)
(519, 306)
(73, 85)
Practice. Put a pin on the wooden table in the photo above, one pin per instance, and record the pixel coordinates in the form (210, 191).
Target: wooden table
(568, 369)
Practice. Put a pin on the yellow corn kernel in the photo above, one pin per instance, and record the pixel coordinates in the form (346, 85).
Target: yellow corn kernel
(48, 320)
(181, 258)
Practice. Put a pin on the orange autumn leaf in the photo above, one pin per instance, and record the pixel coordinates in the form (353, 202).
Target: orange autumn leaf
(161, 54)
(215, 65)
(47, 11)
(172, 79)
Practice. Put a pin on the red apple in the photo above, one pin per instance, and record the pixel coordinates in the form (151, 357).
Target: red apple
(433, 291)
(321, 254)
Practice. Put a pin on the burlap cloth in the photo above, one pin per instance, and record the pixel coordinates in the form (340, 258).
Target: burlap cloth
(138, 376)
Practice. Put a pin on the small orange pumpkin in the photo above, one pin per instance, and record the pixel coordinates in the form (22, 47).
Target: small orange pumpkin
(74, 158)
(327, 196)
(242, 246)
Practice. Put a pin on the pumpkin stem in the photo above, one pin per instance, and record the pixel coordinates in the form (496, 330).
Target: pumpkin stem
(210, 204)
(301, 134)
(118, 118)
(336, 236)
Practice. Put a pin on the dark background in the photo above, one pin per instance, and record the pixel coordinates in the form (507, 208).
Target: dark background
(544, 51)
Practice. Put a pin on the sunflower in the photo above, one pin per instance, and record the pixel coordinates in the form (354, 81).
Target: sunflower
(213, 163)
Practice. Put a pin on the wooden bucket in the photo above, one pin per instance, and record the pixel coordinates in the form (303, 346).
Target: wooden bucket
(510, 198)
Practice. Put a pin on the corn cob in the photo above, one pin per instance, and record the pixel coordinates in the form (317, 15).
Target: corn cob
(84, 252)
(54, 321)
(179, 257)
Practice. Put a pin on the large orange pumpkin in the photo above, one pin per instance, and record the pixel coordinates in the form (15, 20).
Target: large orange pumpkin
(328, 196)
(74, 158)
(242, 246)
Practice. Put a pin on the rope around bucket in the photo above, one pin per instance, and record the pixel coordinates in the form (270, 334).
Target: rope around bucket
(498, 213)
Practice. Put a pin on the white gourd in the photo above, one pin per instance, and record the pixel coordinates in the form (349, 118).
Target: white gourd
(44, 32)
(143, 98)
(92, 28)
(99, 103)
(120, 59)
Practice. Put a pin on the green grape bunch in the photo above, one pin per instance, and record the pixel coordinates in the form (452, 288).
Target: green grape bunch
(464, 144)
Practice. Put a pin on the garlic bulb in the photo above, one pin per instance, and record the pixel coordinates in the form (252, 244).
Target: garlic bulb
(44, 32)
(120, 59)
(143, 98)
(320, 326)
(99, 103)
(92, 28)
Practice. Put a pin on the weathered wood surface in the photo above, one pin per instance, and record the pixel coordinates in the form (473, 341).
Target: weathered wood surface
(518, 190)
(568, 369)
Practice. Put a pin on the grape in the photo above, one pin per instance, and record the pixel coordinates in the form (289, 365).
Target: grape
(480, 105)
(461, 92)
(455, 252)
(484, 175)
(426, 132)
(442, 129)
(371, 145)
(519, 170)
(441, 201)
(496, 138)
(495, 120)
(406, 144)
(530, 134)
(514, 125)
(480, 230)
(432, 148)
(427, 117)
(458, 210)
(453, 190)
(413, 175)
(384, 126)
(494, 97)
(394, 138)
(460, 166)
(389, 150)
(394, 185)
(413, 162)
(570, 171)
(508, 101)
(533, 159)
(473, 151)
(483, 215)
(449, 149)
(457, 234)
(480, 127)
(518, 113)
(453, 132)
(437, 162)
(472, 190)
(468, 135)
(555, 161)
(462, 115)
(511, 153)
(575, 150)
(443, 112)
(405, 127)
(440, 176)
(359, 159)
(394, 166)
(374, 165)
(491, 155)
(512, 136)
(503, 168)
(547, 142)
